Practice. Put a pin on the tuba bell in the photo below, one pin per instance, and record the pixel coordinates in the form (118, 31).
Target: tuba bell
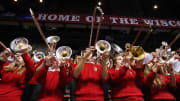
(64, 52)
(53, 39)
(102, 46)
(18, 43)
(116, 48)
(137, 52)
(38, 55)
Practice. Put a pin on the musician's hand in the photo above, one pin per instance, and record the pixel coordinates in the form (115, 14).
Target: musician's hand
(139, 63)
(24, 49)
(103, 58)
(170, 68)
(48, 60)
(88, 52)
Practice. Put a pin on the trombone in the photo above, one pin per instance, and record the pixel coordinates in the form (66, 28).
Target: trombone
(99, 25)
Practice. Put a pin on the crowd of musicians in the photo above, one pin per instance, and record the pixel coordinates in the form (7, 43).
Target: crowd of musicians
(133, 74)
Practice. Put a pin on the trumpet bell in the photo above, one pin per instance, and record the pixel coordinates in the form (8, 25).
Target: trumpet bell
(103, 45)
(116, 48)
(38, 56)
(137, 52)
(18, 43)
(64, 52)
(53, 39)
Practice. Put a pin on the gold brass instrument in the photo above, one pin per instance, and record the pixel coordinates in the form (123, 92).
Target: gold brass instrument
(137, 52)
(64, 52)
(18, 43)
(102, 46)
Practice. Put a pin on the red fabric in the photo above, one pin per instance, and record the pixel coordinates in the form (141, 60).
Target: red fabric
(53, 84)
(157, 93)
(123, 83)
(178, 87)
(33, 79)
(12, 83)
(88, 86)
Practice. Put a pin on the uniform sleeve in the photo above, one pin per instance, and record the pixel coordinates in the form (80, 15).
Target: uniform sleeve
(64, 78)
(6, 75)
(148, 80)
(116, 75)
(139, 75)
(41, 75)
(73, 67)
(29, 66)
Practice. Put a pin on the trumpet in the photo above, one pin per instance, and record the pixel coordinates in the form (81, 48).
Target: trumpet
(18, 44)
(52, 41)
(64, 52)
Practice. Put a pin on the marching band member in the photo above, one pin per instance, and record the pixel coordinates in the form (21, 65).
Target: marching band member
(89, 77)
(158, 87)
(15, 75)
(124, 79)
(53, 77)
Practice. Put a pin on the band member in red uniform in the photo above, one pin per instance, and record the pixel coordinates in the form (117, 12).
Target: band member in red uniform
(15, 75)
(124, 79)
(158, 87)
(53, 78)
(89, 77)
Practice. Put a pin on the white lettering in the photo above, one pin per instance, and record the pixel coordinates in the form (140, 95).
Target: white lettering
(63, 18)
(148, 21)
(163, 23)
(89, 18)
(133, 21)
(178, 23)
(172, 23)
(113, 19)
(124, 20)
(75, 18)
(52, 17)
(157, 22)
(42, 16)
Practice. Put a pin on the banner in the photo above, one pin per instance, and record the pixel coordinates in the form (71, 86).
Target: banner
(107, 20)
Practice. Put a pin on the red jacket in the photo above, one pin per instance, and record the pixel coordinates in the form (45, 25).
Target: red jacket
(123, 83)
(88, 86)
(178, 87)
(53, 83)
(157, 93)
(12, 83)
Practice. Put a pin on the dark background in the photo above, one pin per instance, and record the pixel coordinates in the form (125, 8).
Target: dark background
(78, 38)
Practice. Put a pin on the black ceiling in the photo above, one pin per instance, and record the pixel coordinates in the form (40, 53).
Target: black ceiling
(143, 8)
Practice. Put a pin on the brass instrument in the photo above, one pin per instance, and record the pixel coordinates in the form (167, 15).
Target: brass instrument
(102, 46)
(64, 52)
(116, 48)
(137, 52)
(37, 56)
(18, 44)
(99, 25)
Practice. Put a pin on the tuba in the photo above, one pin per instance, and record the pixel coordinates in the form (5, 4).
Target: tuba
(64, 52)
(102, 46)
(38, 55)
(18, 43)
(52, 41)
(116, 48)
